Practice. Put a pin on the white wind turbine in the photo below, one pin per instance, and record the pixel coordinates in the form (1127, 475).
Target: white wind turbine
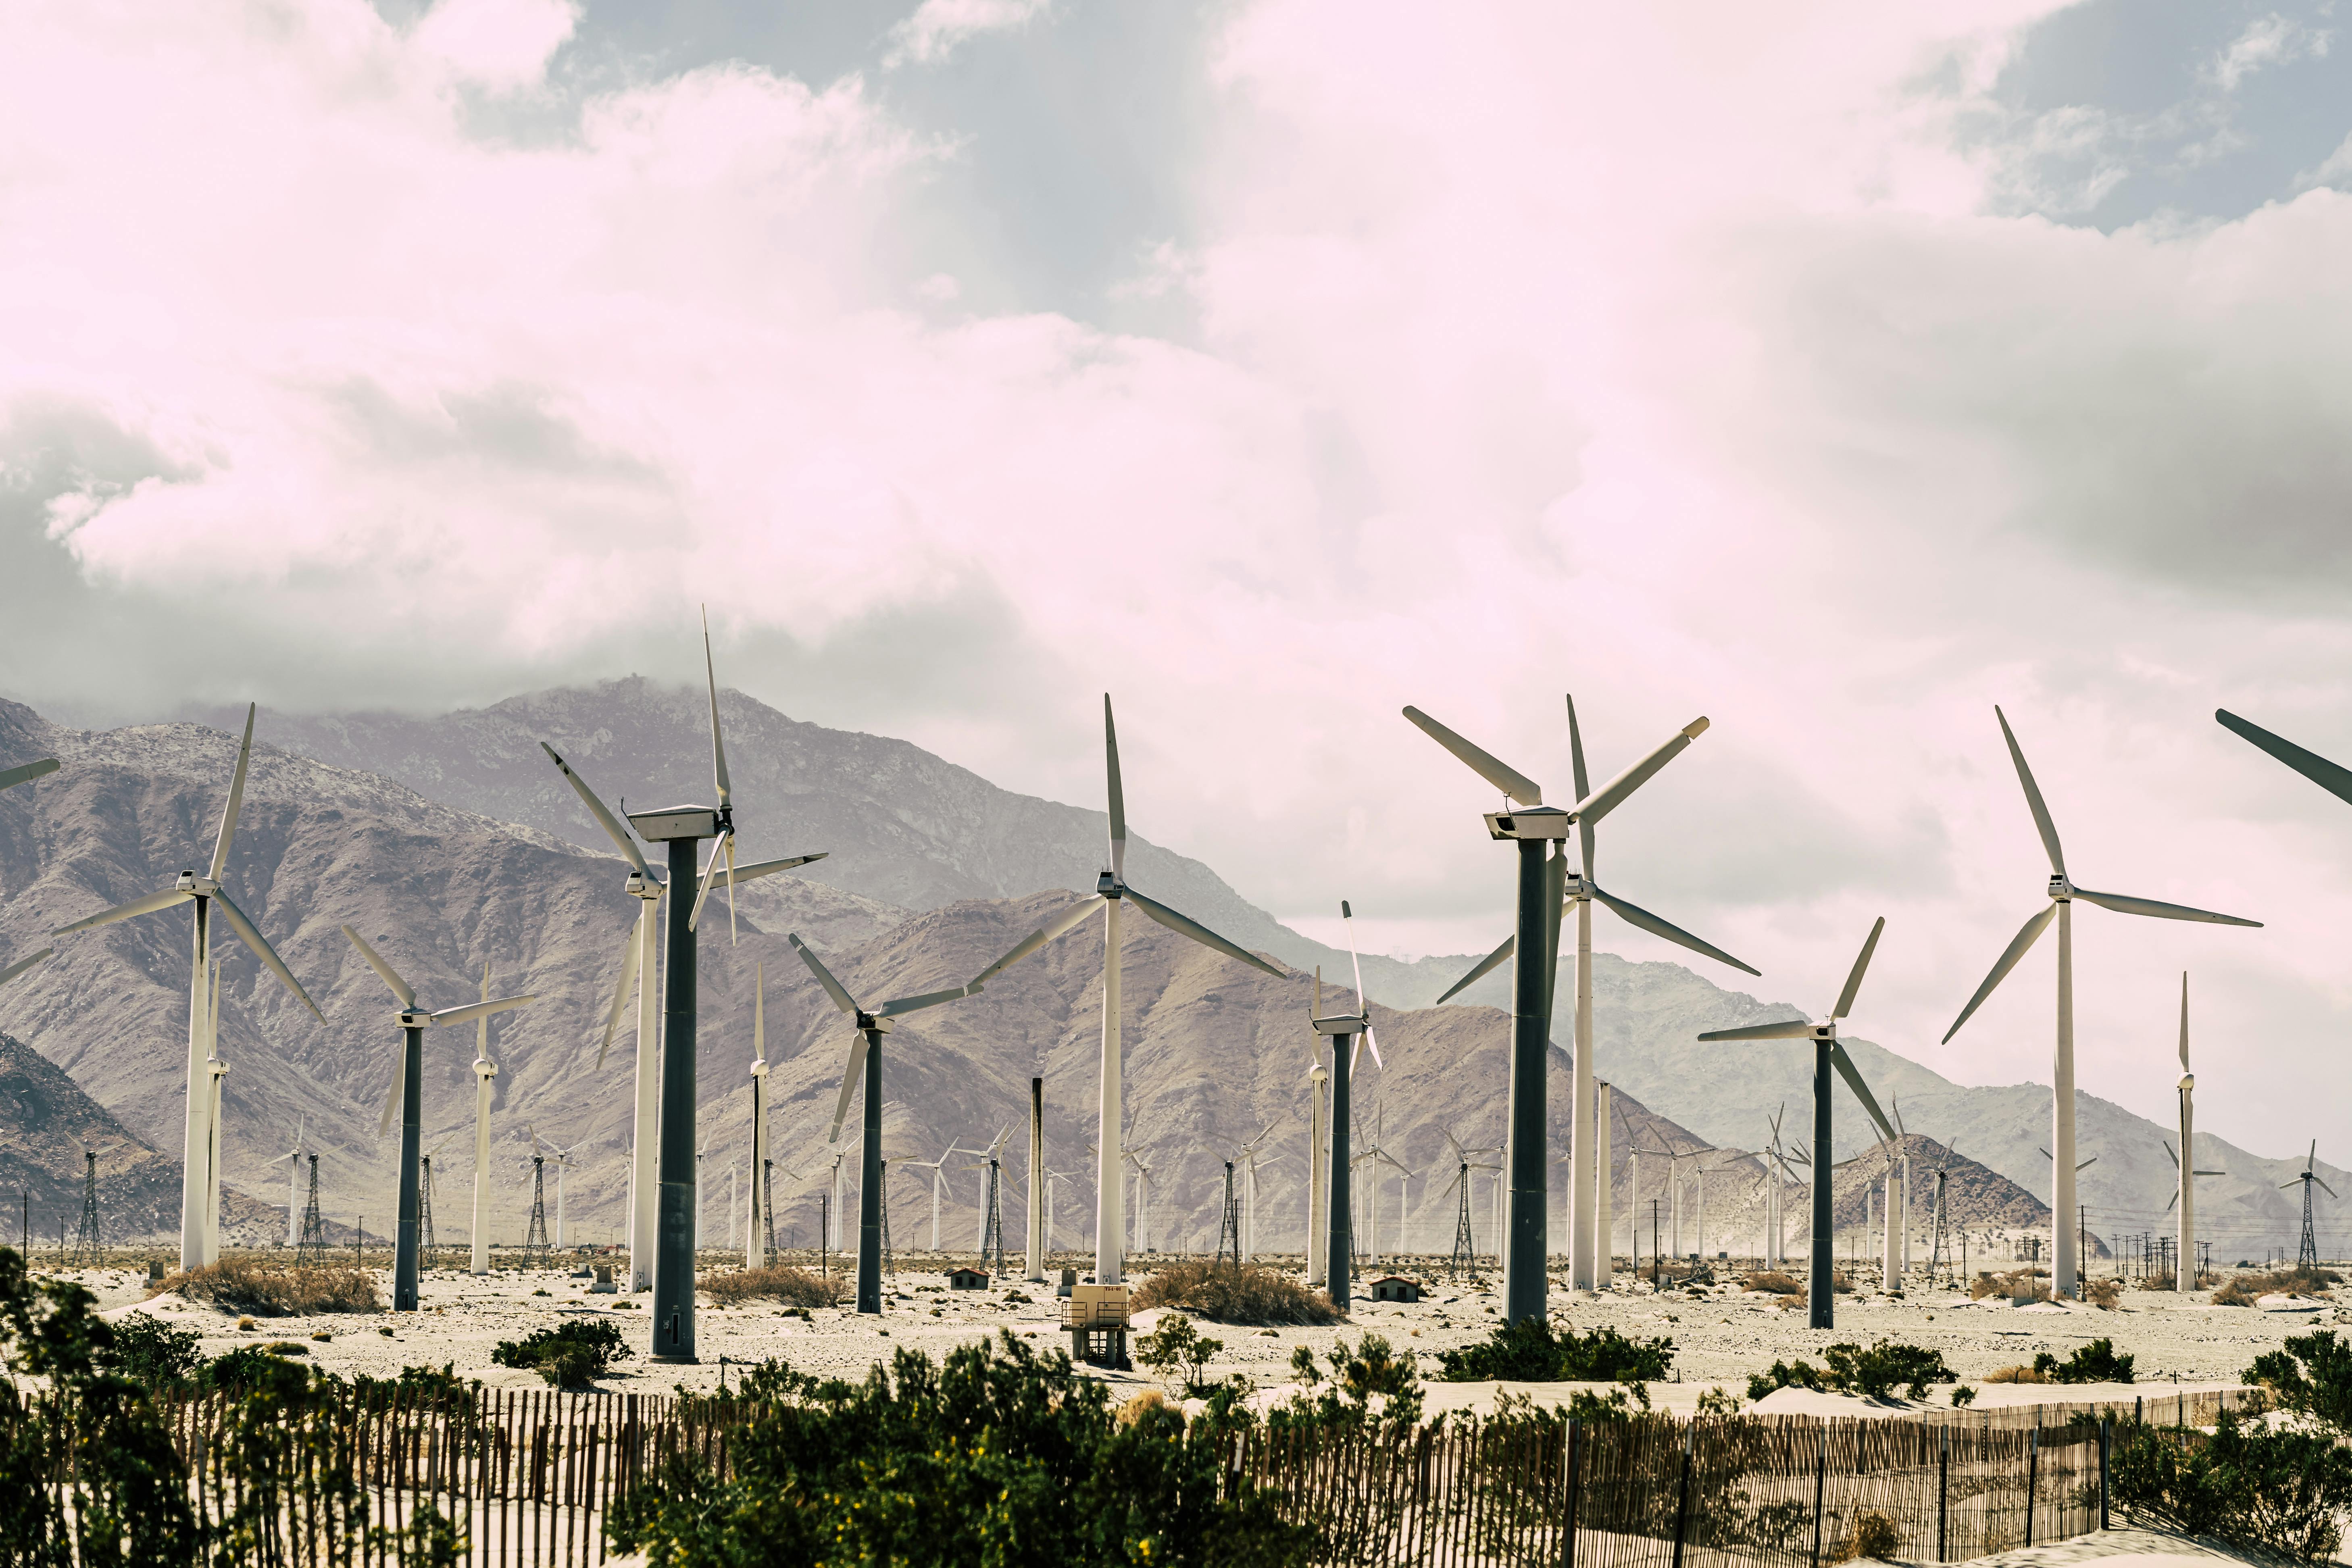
(1111, 891)
(198, 1244)
(215, 1070)
(486, 1072)
(991, 1160)
(1249, 1155)
(755, 1242)
(293, 1162)
(1143, 1201)
(563, 1163)
(2184, 1277)
(2062, 892)
(406, 1098)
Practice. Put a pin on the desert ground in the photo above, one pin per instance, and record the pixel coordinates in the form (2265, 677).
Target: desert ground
(1721, 1333)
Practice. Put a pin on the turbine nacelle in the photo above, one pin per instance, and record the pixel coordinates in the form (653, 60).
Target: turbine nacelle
(680, 822)
(1544, 822)
(195, 886)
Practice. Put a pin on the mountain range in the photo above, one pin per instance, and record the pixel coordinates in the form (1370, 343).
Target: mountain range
(451, 843)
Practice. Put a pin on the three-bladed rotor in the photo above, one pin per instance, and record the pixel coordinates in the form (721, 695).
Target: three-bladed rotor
(1826, 1031)
(411, 1017)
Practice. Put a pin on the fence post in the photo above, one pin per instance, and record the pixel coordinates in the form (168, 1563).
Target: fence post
(1820, 1488)
(1943, 1487)
(1682, 1500)
(1568, 1551)
(2033, 1475)
(2106, 1436)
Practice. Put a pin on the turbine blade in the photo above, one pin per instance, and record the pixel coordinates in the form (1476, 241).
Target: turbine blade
(1183, 925)
(832, 988)
(1861, 965)
(2335, 780)
(850, 1077)
(1483, 967)
(1644, 919)
(1494, 770)
(2168, 1154)
(2184, 1020)
(384, 972)
(2169, 1202)
(1794, 1030)
(2325, 1187)
(897, 1005)
(612, 824)
(25, 772)
(620, 996)
(22, 964)
(1576, 765)
(733, 936)
(710, 877)
(1348, 925)
(1853, 1075)
(759, 1011)
(1117, 796)
(1612, 795)
(473, 1010)
(227, 832)
(2042, 823)
(2024, 939)
(765, 868)
(2124, 904)
(718, 745)
(266, 953)
(152, 901)
(1052, 929)
(1372, 1043)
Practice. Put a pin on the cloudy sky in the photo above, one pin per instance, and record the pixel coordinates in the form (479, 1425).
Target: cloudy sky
(1835, 371)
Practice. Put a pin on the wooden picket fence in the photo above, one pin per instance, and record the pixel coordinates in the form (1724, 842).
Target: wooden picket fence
(528, 1477)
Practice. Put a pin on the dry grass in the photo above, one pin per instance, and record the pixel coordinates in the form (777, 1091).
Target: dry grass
(781, 1282)
(1775, 1281)
(1233, 1293)
(1875, 1536)
(2106, 1294)
(2017, 1374)
(1132, 1411)
(274, 1289)
(2032, 1283)
(2245, 1289)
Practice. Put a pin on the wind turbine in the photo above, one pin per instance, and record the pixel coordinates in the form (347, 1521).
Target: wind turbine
(1544, 887)
(2307, 1253)
(1344, 1029)
(940, 1184)
(424, 1193)
(2184, 1278)
(486, 1072)
(1319, 1084)
(1248, 1156)
(2062, 892)
(663, 1177)
(198, 1245)
(865, 1062)
(1111, 890)
(292, 1158)
(1143, 1201)
(755, 1243)
(1828, 1054)
(406, 1098)
(563, 1163)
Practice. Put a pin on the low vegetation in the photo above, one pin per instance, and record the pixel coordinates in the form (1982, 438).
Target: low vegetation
(570, 1356)
(2275, 1490)
(2106, 1294)
(1873, 1373)
(2094, 1363)
(2311, 1374)
(1178, 1352)
(274, 1289)
(1241, 1294)
(1873, 1537)
(2020, 1284)
(1775, 1282)
(1531, 1351)
(793, 1286)
(2246, 1289)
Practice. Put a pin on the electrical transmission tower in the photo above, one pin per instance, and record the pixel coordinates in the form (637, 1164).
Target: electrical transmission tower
(86, 1240)
(312, 1246)
(536, 1251)
(991, 1236)
(1229, 1228)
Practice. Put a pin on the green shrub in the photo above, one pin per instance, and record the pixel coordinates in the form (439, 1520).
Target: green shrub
(152, 1354)
(2271, 1488)
(2311, 1373)
(1877, 1372)
(1784, 1374)
(236, 1369)
(1530, 1352)
(2094, 1363)
(572, 1355)
(1178, 1350)
(997, 1454)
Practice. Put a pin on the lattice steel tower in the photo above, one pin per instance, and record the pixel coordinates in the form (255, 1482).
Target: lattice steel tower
(86, 1239)
(536, 1251)
(991, 1236)
(425, 1209)
(312, 1246)
(1229, 1228)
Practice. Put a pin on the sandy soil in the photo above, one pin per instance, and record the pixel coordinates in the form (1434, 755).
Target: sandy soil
(1721, 1337)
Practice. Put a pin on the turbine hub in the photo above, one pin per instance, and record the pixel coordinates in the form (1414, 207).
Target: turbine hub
(1108, 886)
(201, 887)
(2061, 889)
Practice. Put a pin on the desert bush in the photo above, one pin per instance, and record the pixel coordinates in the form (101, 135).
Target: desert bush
(2246, 1289)
(570, 1356)
(2017, 1374)
(997, 1454)
(1243, 1294)
(274, 1289)
(1874, 1536)
(781, 1282)
(1529, 1351)
(1963, 1396)
(1784, 1374)
(1775, 1281)
(1177, 1350)
(2032, 1283)
(2275, 1490)
(152, 1354)
(2106, 1294)
(2311, 1374)
(2094, 1363)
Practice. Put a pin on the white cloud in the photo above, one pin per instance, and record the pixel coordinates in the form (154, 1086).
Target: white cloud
(938, 27)
(498, 44)
(2267, 41)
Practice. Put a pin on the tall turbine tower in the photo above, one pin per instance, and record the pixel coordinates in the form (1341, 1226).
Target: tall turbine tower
(762, 1223)
(2184, 1277)
(1828, 1055)
(1338, 1241)
(664, 1177)
(486, 1072)
(2062, 893)
(1111, 890)
(1319, 1085)
(407, 1097)
(198, 1245)
(1540, 831)
(293, 1158)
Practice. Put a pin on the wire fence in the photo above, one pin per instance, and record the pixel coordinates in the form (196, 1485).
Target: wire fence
(530, 1476)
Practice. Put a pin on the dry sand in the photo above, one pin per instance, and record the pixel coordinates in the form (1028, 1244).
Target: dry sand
(1721, 1337)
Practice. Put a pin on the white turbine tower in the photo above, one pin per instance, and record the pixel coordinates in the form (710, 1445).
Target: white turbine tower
(2184, 1277)
(486, 1072)
(198, 1245)
(755, 1243)
(2062, 893)
(1143, 1201)
(406, 1099)
(1111, 891)
(1248, 1159)
(293, 1162)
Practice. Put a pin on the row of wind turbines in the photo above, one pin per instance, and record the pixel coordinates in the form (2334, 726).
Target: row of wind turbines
(658, 968)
